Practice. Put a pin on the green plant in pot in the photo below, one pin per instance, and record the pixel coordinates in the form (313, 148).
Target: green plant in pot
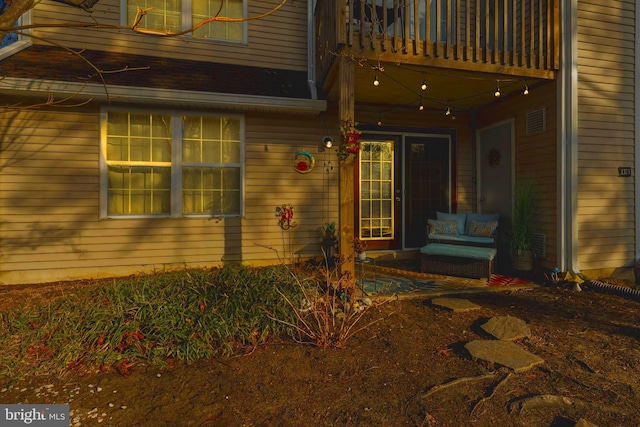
(330, 230)
(522, 231)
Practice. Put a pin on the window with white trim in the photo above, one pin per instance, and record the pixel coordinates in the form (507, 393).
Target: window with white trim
(180, 15)
(14, 42)
(171, 165)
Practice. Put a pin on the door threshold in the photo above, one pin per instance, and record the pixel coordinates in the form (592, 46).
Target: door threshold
(393, 255)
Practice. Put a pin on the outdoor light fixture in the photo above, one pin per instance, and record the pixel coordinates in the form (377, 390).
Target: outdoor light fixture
(526, 89)
(497, 94)
(380, 119)
(327, 142)
(448, 112)
(376, 82)
(424, 85)
(421, 107)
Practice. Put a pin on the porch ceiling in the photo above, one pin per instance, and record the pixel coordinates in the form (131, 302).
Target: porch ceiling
(400, 87)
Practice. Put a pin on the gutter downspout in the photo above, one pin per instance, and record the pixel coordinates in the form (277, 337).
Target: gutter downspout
(311, 49)
(568, 130)
(636, 142)
(568, 153)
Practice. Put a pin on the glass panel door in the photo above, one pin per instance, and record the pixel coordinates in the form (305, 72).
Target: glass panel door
(376, 195)
(427, 184)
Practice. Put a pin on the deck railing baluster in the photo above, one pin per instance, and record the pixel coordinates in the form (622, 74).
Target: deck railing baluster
(514, 33)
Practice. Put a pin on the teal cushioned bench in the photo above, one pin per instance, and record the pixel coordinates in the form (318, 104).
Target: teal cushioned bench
(462, 239)
(457, 260)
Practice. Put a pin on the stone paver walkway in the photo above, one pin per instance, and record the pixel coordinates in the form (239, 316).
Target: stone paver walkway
(501, 350)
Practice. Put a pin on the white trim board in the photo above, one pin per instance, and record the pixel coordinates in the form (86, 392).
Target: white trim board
(169, 97)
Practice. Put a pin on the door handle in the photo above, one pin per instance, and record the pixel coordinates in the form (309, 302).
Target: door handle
(398, 198)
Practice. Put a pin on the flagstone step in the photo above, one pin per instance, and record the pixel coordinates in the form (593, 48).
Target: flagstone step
(504, 353)
(506, 328)
(455, 304)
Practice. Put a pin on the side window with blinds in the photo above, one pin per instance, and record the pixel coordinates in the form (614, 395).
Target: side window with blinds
(172, 165)
(175, 16)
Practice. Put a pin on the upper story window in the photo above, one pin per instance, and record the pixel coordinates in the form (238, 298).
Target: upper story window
(171, 165)
(180, 15)
(13, 42)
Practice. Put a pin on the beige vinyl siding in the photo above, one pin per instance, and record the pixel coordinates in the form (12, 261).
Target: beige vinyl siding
(49, 203)
(535, 156)
(606, 207)
(271, 181)
(276, 41)
(465, 155)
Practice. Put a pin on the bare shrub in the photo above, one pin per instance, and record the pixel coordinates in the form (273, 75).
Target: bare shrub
(331, 311)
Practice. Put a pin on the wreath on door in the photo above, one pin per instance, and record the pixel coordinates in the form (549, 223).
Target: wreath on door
(494, 158)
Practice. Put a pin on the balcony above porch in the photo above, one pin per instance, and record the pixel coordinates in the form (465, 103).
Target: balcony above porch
(518, 38)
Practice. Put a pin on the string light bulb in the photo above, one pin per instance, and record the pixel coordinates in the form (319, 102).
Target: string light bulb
(497, 93)
(376, 82)
(526, 89)
(380, 119)
(420, 107)
(424, 85)
(448, 112)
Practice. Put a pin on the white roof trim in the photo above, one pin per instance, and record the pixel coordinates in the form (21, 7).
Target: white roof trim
(169, 97)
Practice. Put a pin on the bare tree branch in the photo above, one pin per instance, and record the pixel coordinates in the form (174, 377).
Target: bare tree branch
(50, 101)
(7, 25)
(81, 57)
(12, 12)
(14, 9)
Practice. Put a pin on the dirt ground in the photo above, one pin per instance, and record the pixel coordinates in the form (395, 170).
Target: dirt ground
(394, 373)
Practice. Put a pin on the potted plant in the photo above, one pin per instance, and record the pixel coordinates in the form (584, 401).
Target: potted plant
(360, 248)
(521, 234)
(330, 230)
(329, 241)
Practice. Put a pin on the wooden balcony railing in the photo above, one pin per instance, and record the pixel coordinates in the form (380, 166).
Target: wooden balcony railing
(484, 35)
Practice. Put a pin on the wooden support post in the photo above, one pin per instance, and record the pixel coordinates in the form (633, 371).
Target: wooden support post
(346, 108)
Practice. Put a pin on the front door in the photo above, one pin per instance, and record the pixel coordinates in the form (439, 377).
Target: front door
(495, 180)
(427, 172)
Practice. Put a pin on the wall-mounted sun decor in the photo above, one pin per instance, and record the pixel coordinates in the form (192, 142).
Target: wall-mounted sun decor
(303, 162)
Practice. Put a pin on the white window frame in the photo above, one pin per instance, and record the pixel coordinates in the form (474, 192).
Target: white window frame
(187, 19)
(177, 133)
(22, 43)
